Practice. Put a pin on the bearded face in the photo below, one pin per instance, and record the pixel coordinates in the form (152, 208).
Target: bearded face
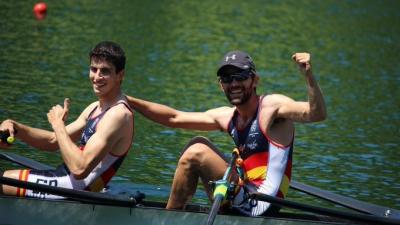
(238, 85)
(239, 93)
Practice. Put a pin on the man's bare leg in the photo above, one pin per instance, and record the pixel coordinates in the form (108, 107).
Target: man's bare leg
(9, 190)
(199, 160)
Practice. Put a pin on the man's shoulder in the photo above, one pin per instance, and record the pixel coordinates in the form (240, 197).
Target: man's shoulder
(85, 113)
(120, 111)
(117, 116)
(273, 99)
(275, 96)
(92, 105)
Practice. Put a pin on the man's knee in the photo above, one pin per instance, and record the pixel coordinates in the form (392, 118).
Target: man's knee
(198, 140)
(14, 174)
(199, 144)
(194, 153)
(9, 190)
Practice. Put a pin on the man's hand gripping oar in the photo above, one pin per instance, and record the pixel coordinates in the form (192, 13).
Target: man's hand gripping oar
(7, 133)
(5, 138)
(221, 188)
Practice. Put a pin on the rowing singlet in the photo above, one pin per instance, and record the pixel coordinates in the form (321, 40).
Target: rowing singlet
(61, 176)
(266, 164)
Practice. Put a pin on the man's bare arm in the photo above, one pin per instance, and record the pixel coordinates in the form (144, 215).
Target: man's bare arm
(171, 117)
(40, 138)
(108, 132)
(312, 111)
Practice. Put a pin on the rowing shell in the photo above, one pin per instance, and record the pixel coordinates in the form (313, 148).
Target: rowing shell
(102, 208)
(22, 211)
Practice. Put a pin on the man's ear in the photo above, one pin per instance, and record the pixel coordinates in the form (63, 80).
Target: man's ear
(220, 85)
(256, 78)
(121, 74)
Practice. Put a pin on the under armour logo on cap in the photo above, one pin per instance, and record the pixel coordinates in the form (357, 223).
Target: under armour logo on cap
(233, 57)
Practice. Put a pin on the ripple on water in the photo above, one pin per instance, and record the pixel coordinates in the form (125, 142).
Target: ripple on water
(30, 98)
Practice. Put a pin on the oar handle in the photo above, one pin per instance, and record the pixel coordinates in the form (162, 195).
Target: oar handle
(214, 209)
(221, 188)
(6, 138)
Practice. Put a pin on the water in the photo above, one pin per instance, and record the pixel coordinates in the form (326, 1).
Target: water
(173, 49)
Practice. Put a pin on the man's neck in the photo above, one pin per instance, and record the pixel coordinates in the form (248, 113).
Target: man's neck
(247, 110)
(109, 100)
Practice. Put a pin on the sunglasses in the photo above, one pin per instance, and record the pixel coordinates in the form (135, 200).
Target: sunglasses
(244, 75)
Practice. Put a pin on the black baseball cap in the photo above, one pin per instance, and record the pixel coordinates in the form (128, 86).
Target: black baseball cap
(238, 59)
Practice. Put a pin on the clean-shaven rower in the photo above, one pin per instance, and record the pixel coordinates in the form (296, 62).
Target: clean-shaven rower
(104, 129)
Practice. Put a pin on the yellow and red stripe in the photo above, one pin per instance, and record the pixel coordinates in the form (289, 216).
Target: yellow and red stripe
(255, 167)
(23, 176)
(98, 184)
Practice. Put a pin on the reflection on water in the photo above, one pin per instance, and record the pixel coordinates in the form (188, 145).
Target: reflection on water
(173, 49)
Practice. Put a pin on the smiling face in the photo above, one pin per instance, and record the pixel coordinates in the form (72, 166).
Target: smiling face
(104, 77)
(237, 89)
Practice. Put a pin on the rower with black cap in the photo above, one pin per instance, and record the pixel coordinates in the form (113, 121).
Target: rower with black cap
(262, 128)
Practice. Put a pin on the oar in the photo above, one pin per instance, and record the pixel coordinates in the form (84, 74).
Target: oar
(324, 211)
(221, 189)
(83, 196)
(6, 138)
(347, 202)
(23, 161)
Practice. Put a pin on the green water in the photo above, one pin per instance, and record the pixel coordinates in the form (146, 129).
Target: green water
(173, 48)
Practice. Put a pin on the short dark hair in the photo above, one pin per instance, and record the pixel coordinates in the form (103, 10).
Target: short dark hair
(111, 52)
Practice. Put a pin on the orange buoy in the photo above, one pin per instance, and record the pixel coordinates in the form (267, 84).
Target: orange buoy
(40, 10)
